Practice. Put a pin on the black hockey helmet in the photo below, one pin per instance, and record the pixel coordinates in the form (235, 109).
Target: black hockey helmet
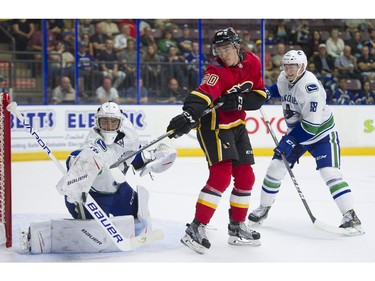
(223, 37)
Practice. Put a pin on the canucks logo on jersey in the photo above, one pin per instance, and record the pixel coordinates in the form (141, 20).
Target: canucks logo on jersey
(310, 88)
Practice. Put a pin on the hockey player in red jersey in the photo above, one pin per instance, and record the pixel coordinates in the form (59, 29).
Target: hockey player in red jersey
(235, 81)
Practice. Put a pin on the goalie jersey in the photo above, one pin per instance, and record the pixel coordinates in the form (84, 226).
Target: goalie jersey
(126, 142)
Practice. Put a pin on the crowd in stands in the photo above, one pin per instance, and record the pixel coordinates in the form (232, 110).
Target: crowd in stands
(339, 54)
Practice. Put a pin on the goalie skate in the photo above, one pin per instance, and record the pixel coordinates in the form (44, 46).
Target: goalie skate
(241, 235)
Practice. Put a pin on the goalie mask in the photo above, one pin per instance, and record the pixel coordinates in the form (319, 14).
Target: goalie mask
(224, 37)
(108, 121)
(294, 65)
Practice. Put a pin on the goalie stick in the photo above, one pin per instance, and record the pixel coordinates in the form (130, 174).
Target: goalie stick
(122, 243)
(319, 224)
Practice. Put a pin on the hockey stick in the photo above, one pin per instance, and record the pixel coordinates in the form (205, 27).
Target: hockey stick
(316, 222)
(122, 243)
(114, 167)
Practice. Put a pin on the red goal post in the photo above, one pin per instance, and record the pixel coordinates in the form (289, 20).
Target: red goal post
(5, 173)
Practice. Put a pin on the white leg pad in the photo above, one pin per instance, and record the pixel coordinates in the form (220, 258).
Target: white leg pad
(76, 236)
(143, 223)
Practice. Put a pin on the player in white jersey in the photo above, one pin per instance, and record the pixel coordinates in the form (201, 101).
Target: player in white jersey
(112, 138)
(310, 127)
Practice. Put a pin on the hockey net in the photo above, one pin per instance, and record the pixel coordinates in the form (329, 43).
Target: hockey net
(5, 173)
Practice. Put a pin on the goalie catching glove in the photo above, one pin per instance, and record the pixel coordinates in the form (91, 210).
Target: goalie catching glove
(157, 160)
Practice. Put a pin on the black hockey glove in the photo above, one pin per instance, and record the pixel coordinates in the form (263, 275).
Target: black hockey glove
(231, 102)
(181, 124)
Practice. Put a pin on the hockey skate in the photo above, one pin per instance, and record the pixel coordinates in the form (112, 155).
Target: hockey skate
(351, 224)
(195, 237)
(240, 234)
(258, 215)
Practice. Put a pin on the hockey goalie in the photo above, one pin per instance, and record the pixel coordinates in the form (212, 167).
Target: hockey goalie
(88, 171)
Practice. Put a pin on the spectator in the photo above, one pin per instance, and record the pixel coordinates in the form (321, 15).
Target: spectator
(120, 41)
(247, 43)
(347, 64)
(147, 38)
(106, 92)
(151, 67)
(282, 32)
(342, 96)
(2, 88)
(324, 63)
(86, 26)
(370, 43)
(164, 24)
(185, 41)
(109, 66)
(367, 95)
(89, 71)
(312, 45)
(131, 24)
(64, 93)
(302, 30)
(110, 28)
(356, 44)
(174, 67)
(270, 38)
(90, 48)
(56, 26)
(129, 95)
(173, 94)
(278, 57)
(166, 42)
(128, 58)
(335, 44)
(36, 42)
(192, 62)
(366, 64)
(99, 39)
(361, 25)
(68, 38)
(143, 23)
(62, 62)
(68, 24)
(22, 30)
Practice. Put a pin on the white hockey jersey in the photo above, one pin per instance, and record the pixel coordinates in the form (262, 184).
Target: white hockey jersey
(305, 102)
(104, 182)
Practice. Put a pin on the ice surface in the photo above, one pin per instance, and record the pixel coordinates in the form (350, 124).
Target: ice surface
(291, 244)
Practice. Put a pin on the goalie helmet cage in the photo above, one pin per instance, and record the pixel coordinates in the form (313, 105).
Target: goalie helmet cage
(5, 173)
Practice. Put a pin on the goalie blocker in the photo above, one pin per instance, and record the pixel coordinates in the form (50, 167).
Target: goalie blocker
(84, 236)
